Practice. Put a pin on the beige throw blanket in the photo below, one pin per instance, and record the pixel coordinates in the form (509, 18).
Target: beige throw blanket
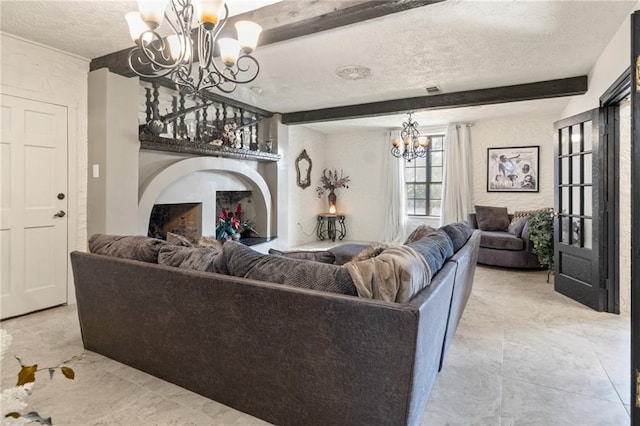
(395, 275)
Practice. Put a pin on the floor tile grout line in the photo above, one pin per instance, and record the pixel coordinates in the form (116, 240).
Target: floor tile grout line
(602, 365)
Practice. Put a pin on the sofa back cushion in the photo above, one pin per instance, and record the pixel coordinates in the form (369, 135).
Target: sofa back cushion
(436, 248)
(492, 218)
(459, 232)
(134, 247)
(242, 261)
(200, 259)
(322, 256)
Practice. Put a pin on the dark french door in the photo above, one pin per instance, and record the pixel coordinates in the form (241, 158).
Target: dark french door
(582, 176)
(635, 214)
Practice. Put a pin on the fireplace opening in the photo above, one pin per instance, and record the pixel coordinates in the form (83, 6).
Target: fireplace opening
(184, 219)
(229, 201)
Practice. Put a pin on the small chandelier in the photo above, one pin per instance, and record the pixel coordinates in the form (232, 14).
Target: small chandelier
(413, 146)
(174, 56)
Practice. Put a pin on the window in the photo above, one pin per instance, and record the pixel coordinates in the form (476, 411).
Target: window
(423, 177)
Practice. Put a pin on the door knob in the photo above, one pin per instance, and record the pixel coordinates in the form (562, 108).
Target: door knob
(60, 214)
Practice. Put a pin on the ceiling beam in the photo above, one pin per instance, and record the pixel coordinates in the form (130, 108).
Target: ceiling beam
(290, 19)
(496, 95)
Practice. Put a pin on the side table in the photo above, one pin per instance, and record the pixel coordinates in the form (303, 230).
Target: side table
(331, 226)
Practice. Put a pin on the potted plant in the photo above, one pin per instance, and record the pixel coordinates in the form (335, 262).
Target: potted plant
(230, 225)
(541, 235)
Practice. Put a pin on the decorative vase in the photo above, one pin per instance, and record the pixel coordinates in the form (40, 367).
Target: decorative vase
(236, 236)
(332, 202)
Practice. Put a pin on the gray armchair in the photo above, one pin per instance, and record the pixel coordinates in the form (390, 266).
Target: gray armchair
(500, 248)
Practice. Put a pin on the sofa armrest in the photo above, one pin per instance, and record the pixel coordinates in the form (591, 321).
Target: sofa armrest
(472, 220)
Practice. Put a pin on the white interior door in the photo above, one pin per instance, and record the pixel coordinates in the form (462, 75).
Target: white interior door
(33, 205)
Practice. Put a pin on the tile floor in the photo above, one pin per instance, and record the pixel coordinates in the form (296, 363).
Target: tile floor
(522, 355)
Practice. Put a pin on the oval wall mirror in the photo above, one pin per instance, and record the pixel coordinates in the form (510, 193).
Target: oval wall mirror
(303, 169)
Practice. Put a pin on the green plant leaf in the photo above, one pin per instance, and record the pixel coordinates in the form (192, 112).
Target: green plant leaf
(68, 372)
(27, 375)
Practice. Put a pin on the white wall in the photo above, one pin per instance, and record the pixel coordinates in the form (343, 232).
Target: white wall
(613, 61)
(37, 72)
(360, 155)
(625, 207)
(521, 131)
(304, 205)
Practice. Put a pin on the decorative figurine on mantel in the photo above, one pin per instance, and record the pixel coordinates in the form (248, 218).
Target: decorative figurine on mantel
(329, 181)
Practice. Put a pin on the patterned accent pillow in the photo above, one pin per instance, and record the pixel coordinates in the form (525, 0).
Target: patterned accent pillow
(322, 256)
(520, 219)
(135, 247)
(492, 218)
(199, 259)
(178, 240)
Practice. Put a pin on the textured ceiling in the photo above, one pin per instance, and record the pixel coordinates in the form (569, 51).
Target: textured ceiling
(456, 45)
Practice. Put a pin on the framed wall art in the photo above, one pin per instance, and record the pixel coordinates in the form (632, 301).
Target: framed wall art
(513, 169)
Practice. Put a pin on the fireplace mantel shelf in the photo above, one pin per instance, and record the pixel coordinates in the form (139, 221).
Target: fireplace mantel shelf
(158, 143)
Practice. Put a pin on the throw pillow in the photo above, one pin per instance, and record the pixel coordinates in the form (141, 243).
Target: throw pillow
(322, 256)
(520, 219)
(436, 248)
(135, 247)
(492, 218)
(459, 233)
(178, 240)
(517, 225)
(418, 233)
(370, 252)
(200, 259)
(245, 262)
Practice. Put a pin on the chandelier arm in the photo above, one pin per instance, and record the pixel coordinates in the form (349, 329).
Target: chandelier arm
(155, 70)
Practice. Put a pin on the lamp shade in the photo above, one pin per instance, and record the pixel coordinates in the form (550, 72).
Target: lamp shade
(229, 51)
(248, 34)
(208, 12)
(177, 44)
(136, 26)
(152, 12)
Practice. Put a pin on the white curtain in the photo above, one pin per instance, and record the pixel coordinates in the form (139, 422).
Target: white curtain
(457, 197)
(394, 196)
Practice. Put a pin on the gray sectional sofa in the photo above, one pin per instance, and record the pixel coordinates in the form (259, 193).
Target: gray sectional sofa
(285, 354)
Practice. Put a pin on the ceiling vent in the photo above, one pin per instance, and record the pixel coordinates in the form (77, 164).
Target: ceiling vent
(433, 90)
(353, 72)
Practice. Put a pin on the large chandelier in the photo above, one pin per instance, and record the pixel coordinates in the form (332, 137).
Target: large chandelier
(412, 147)
(187, 61)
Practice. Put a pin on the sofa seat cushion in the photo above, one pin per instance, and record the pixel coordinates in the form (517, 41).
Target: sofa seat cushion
(134, 247)
(242, 261)
(501, 241)
(199, 259)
